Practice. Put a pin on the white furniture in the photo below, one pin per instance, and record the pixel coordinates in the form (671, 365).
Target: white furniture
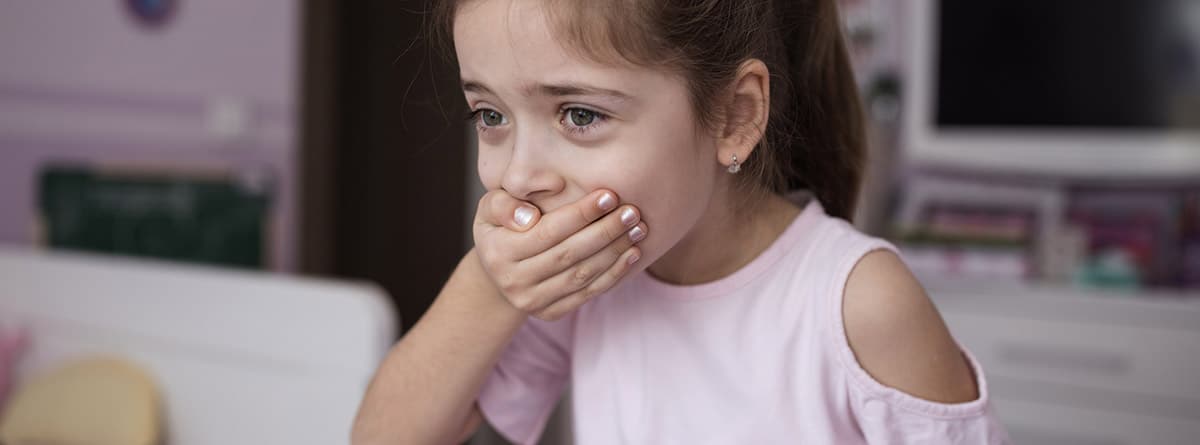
(1068, 366)
(240, 357)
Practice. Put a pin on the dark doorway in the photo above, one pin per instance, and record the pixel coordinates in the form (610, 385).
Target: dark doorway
(384, 150)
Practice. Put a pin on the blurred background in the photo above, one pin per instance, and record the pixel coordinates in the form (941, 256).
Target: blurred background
(223, 195)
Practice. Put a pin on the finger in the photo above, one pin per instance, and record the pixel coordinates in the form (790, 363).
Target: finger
(622, 225)
(581, 274)
(601, 284)
(554, 285)
(499, 209)
(556, 226)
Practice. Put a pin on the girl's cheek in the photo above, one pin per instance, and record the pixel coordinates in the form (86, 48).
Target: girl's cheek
(491, 171)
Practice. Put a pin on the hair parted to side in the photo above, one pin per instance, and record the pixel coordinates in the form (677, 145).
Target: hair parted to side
(815, 133)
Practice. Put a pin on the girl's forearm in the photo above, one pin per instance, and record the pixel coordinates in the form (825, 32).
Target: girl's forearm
(425, 390)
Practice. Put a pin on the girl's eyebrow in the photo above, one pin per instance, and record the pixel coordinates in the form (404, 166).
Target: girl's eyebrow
(553, 90)
(556, 90)
(476, 87)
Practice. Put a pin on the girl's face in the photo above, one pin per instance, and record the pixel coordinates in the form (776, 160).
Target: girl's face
(554, 126)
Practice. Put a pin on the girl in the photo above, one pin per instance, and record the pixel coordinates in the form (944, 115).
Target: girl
(637, 242)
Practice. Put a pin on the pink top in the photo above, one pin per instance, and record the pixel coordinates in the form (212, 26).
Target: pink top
(759, 356)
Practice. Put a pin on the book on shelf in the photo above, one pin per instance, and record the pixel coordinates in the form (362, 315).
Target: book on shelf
(970, 242)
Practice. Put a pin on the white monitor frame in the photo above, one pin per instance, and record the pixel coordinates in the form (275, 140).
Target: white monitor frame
(1058, 153)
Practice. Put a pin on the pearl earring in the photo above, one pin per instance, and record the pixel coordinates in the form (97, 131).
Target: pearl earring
(735, 167)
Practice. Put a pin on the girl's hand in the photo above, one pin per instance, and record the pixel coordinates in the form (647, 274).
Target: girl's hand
(546, 266)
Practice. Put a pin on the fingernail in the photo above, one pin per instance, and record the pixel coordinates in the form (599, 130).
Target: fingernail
(637, 234)
(607, 202)
(523, 216)
(628, 217)
(633, 258)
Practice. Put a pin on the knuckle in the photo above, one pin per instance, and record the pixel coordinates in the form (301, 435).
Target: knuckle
(581, 276)
(506, 288)
(587, 293)
(496, 204)
(524, 303)
(582, 214)
(507, 284)
(565, 257)
(485, 257)
(494, 194)
(495, 253)
(490, 262)
(543, 234)
(614, 231)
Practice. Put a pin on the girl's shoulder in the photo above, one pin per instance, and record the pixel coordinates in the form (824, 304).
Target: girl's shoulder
(897, 336)
(896, 355)
(882, 320)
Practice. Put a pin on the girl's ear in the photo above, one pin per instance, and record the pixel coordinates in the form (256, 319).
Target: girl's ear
(746, 112)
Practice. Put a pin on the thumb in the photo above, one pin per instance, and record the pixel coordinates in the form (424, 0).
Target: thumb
(498, 208)
(524, 217)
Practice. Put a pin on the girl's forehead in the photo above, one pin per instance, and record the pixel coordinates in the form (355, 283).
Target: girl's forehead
(520, 32)
(518, 51)
(521, 25)
(511, 47)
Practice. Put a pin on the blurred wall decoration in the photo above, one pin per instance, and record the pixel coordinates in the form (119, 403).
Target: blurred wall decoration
(165, 87)
(202, 217)
(328, 118)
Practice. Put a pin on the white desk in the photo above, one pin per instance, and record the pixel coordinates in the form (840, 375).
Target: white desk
(240, 357)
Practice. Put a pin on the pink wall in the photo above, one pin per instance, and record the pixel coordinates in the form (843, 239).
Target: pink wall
(84, 81)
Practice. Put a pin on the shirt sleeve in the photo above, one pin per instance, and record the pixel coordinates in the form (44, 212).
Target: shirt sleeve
(520, 393)
(890, 416)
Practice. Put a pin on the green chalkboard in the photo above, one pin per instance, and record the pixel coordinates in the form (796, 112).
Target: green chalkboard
(211, 219)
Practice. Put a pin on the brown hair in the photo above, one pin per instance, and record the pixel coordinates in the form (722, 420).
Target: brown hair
(814, 137)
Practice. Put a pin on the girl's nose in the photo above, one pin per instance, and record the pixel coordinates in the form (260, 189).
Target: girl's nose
(529, 174)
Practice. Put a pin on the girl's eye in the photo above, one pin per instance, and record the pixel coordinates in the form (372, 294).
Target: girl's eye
(580, 117)
(492, 118)
(488, 118)
(580, 121)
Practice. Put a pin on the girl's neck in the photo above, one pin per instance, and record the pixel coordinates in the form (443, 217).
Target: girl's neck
(723, 242)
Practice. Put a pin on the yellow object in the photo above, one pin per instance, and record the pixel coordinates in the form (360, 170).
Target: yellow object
(91, 402)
